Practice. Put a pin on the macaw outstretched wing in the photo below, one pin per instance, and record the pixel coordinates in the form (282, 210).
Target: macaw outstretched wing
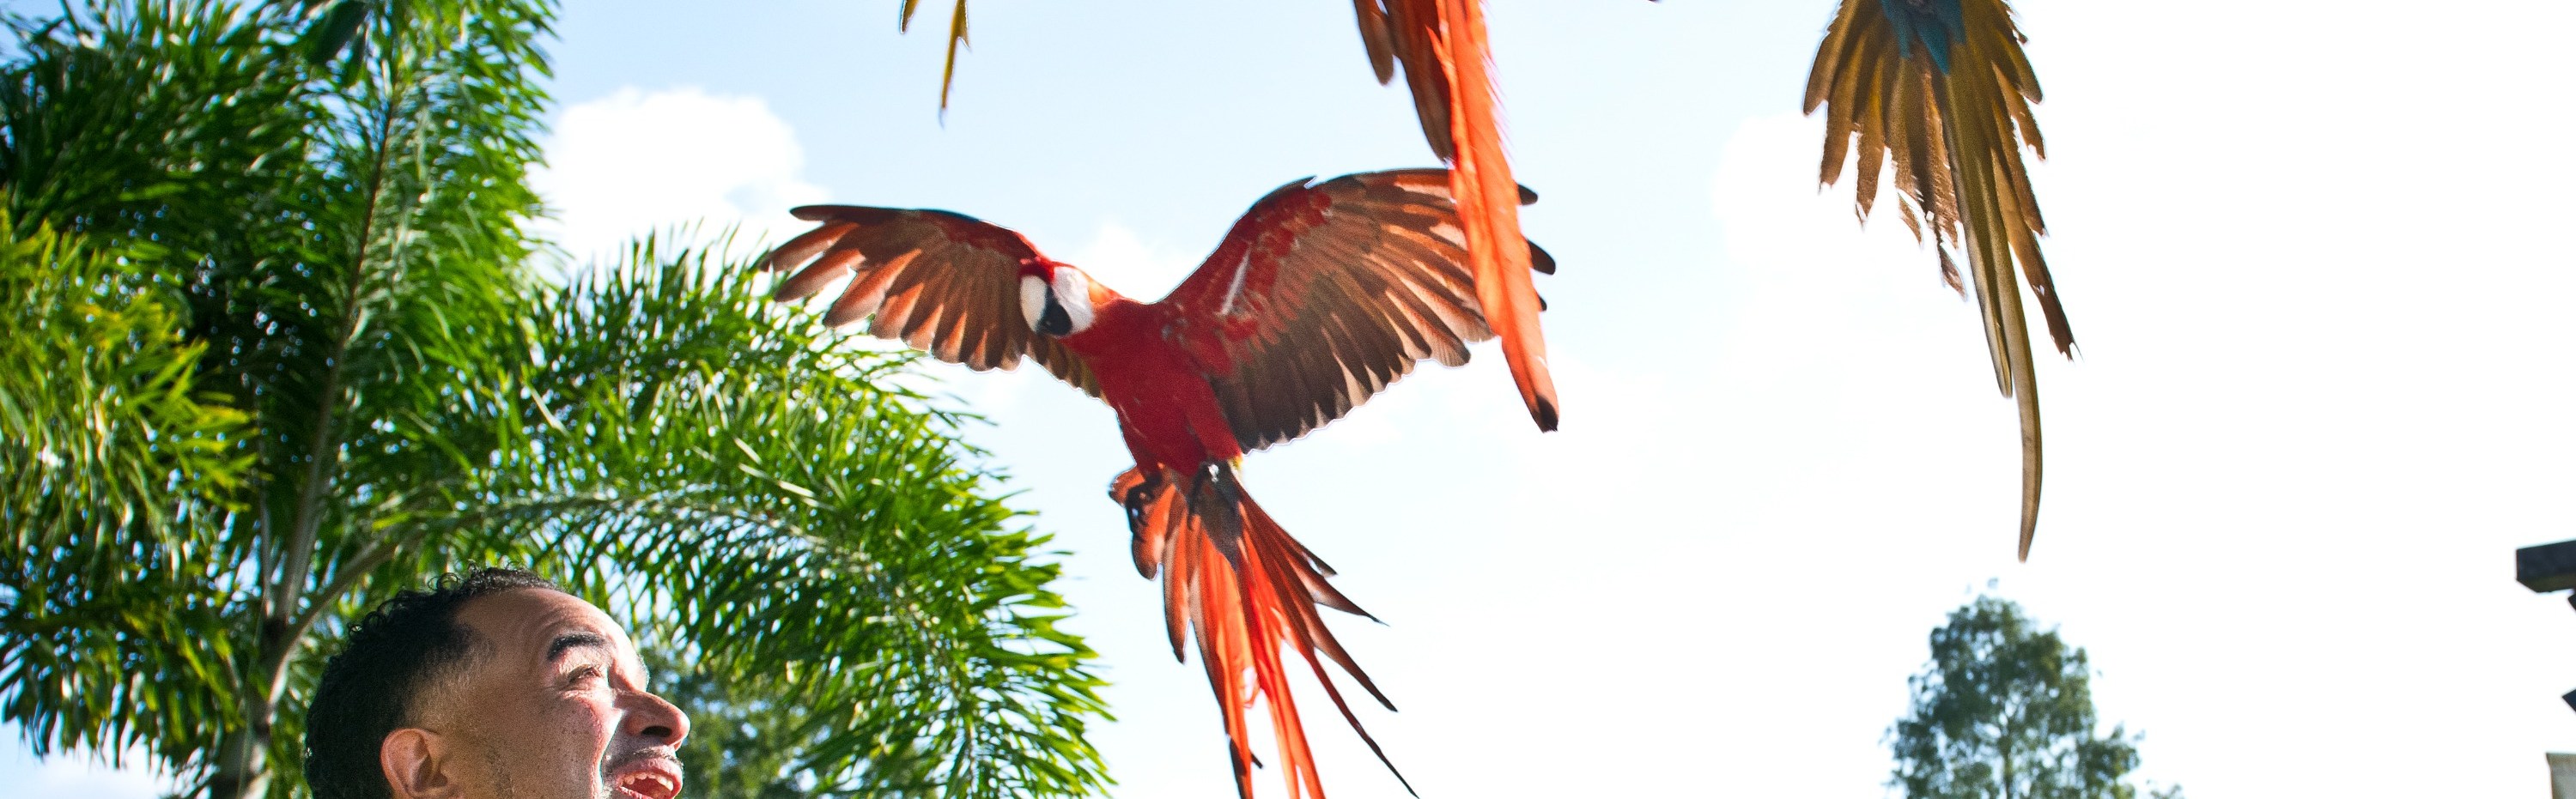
(1323, 293)
(944, 282)
(1941, 90)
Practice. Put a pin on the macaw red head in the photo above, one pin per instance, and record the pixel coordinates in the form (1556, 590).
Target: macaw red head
(1056, 299)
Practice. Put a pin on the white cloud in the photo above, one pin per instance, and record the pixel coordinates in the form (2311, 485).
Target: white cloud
(635, 162)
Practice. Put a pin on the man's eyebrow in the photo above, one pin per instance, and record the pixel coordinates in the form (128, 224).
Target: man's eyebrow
(572, 640)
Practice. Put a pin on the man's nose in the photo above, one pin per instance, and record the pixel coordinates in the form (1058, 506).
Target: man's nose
(650, 716)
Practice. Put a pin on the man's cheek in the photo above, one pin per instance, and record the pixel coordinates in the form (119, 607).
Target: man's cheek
(596, 729)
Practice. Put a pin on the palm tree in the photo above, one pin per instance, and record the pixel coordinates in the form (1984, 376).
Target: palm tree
(278, 347)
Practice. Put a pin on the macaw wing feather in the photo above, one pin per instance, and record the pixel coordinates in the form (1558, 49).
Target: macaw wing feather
(1410, 32)
(1377, 36)
(1442, 46)
(944, 283)
(1941, 92)
(1324, 293)
(956, 39)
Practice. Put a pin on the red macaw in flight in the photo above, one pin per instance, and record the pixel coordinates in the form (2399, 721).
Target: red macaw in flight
(1320, 296)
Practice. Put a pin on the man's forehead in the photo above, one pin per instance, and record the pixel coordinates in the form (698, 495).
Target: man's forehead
(526, 619)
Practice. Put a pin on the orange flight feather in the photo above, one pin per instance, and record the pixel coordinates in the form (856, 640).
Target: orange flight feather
(1448, 65)
(1241, 586)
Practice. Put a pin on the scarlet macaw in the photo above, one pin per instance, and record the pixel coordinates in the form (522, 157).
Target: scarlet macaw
(1320, 296)
(1940, 89)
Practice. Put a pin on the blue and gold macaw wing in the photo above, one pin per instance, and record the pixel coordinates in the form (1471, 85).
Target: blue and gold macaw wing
(1939, 92)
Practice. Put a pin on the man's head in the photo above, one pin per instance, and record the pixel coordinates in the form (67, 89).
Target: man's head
(493, 685)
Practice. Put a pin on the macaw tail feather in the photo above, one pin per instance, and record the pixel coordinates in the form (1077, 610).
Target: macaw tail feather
(1244, 589)
(1941, 91)
(1448, 66)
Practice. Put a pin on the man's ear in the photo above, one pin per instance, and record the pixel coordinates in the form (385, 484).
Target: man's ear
(416, 763)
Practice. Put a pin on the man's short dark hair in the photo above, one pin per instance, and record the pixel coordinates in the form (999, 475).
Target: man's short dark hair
(403, 647)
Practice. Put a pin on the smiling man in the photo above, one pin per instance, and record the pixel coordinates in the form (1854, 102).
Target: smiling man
(492, 685)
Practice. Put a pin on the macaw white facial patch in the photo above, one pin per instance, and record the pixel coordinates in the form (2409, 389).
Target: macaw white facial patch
(1073, 291)
(1033, 301)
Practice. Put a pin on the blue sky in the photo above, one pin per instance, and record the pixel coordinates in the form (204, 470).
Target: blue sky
(2316, 277)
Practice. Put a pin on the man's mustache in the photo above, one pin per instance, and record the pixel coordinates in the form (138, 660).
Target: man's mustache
(663, 753)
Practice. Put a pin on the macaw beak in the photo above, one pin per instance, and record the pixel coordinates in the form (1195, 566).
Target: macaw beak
(1054, 322)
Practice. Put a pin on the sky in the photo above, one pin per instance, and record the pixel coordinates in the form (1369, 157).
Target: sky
(2314, 270)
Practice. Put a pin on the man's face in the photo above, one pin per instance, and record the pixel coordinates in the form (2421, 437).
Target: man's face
(553, 706)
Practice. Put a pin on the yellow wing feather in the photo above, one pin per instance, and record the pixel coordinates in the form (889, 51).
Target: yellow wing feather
(1951, 136)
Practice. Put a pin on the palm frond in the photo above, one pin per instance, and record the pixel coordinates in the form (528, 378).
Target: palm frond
(818, 535)
(108, 454)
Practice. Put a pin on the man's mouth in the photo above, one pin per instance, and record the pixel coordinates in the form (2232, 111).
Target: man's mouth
(650, 778)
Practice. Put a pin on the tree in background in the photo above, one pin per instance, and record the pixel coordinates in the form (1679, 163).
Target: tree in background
(2005, 711)
(748, 740)
(278, 347)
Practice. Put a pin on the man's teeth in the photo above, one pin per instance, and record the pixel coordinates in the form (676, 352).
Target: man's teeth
(652, 785)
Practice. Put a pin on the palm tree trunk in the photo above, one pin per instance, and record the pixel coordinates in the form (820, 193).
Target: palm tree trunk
(244, 769)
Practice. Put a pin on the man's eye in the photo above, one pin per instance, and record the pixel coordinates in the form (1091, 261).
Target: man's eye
(584, 673)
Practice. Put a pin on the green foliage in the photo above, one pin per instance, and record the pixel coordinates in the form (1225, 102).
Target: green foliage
(106, 450)
(742, 745)
(292, 356)
(2005, 711)
(99, 416)
(105, 642)
(868, 579)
